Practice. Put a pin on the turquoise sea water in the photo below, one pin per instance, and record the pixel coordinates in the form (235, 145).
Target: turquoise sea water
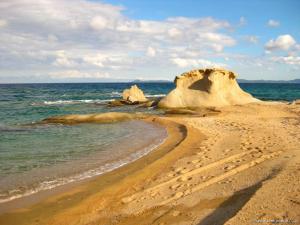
(51, 155)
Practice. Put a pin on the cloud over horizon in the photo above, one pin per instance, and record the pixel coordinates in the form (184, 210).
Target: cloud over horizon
(59, 38)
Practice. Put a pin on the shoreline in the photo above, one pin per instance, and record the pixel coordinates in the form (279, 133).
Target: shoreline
(228, 161)
(174, 131)
(136, 151)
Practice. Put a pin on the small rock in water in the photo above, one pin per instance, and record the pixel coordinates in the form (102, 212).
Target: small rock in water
(134, 95)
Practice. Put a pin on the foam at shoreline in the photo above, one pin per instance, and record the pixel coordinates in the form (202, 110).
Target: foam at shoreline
(69, 102)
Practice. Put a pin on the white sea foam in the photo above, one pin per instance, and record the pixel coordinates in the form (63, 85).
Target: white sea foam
(92, 101)
(116, 94)
(69, 102)
(157, 95)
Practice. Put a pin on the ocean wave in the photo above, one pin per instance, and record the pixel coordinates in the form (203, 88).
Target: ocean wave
(70, 102)
(156, 95)
(115, 94)
(90, 101)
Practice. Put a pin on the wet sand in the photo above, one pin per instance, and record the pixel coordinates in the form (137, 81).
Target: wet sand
(238, 166)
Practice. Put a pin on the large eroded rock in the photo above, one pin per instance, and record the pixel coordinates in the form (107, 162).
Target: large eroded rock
(134, 95)
(206, 88)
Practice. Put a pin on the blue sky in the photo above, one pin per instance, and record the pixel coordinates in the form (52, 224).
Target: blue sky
(80, 40)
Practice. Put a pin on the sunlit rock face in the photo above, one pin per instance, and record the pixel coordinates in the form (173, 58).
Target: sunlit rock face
(206, 88)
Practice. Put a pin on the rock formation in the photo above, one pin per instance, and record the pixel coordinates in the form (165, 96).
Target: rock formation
(109, 117)
(206, 88)
(134, 95)
(296, 102)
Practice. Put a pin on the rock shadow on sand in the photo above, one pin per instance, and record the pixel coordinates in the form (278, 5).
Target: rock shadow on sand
(235, 203)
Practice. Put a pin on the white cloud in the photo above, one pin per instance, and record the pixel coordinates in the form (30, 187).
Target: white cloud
(243, 21)
(203, 24)
(77, 74)
(52, 38)
(273, 23)
(107, 60)
(100, 22)
(84, 35)
(174, 32)
(291, 60)
(98, 59)
(63, 60)
(189, 62)
(216, 41)
(3, 23)
(282, 42)
(151, 51)
(219, 38)
(252, 39)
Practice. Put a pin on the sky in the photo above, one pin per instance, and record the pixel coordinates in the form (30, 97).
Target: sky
(94, 41)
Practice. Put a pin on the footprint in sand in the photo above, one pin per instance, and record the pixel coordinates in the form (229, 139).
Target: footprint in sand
(178, 194)
(171, 175)
(178, 169)
(182, 170)
(184, 178)
(237, 161)
(202, 148)
(227, 151)
(228, 181)
(187, 192)
(195, 161)
(175, 186)
(176, 213)
(245, 143)
(127, 200)
(203, 177)
(229, 167)
(206, 157)
(198, 165)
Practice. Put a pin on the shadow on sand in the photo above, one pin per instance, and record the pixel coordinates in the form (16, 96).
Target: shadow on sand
(232, 205)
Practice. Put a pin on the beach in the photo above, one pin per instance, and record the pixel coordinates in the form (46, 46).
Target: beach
(239, 165)
(140, 112)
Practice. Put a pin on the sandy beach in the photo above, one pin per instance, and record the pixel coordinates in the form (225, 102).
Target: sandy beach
(237, 166)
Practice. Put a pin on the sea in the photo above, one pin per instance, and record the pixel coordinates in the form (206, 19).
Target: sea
(36, 157)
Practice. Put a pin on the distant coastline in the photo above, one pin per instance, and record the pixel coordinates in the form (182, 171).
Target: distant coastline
(294, 81)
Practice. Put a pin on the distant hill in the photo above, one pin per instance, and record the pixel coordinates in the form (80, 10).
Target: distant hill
(151, 81)
(295, 81)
